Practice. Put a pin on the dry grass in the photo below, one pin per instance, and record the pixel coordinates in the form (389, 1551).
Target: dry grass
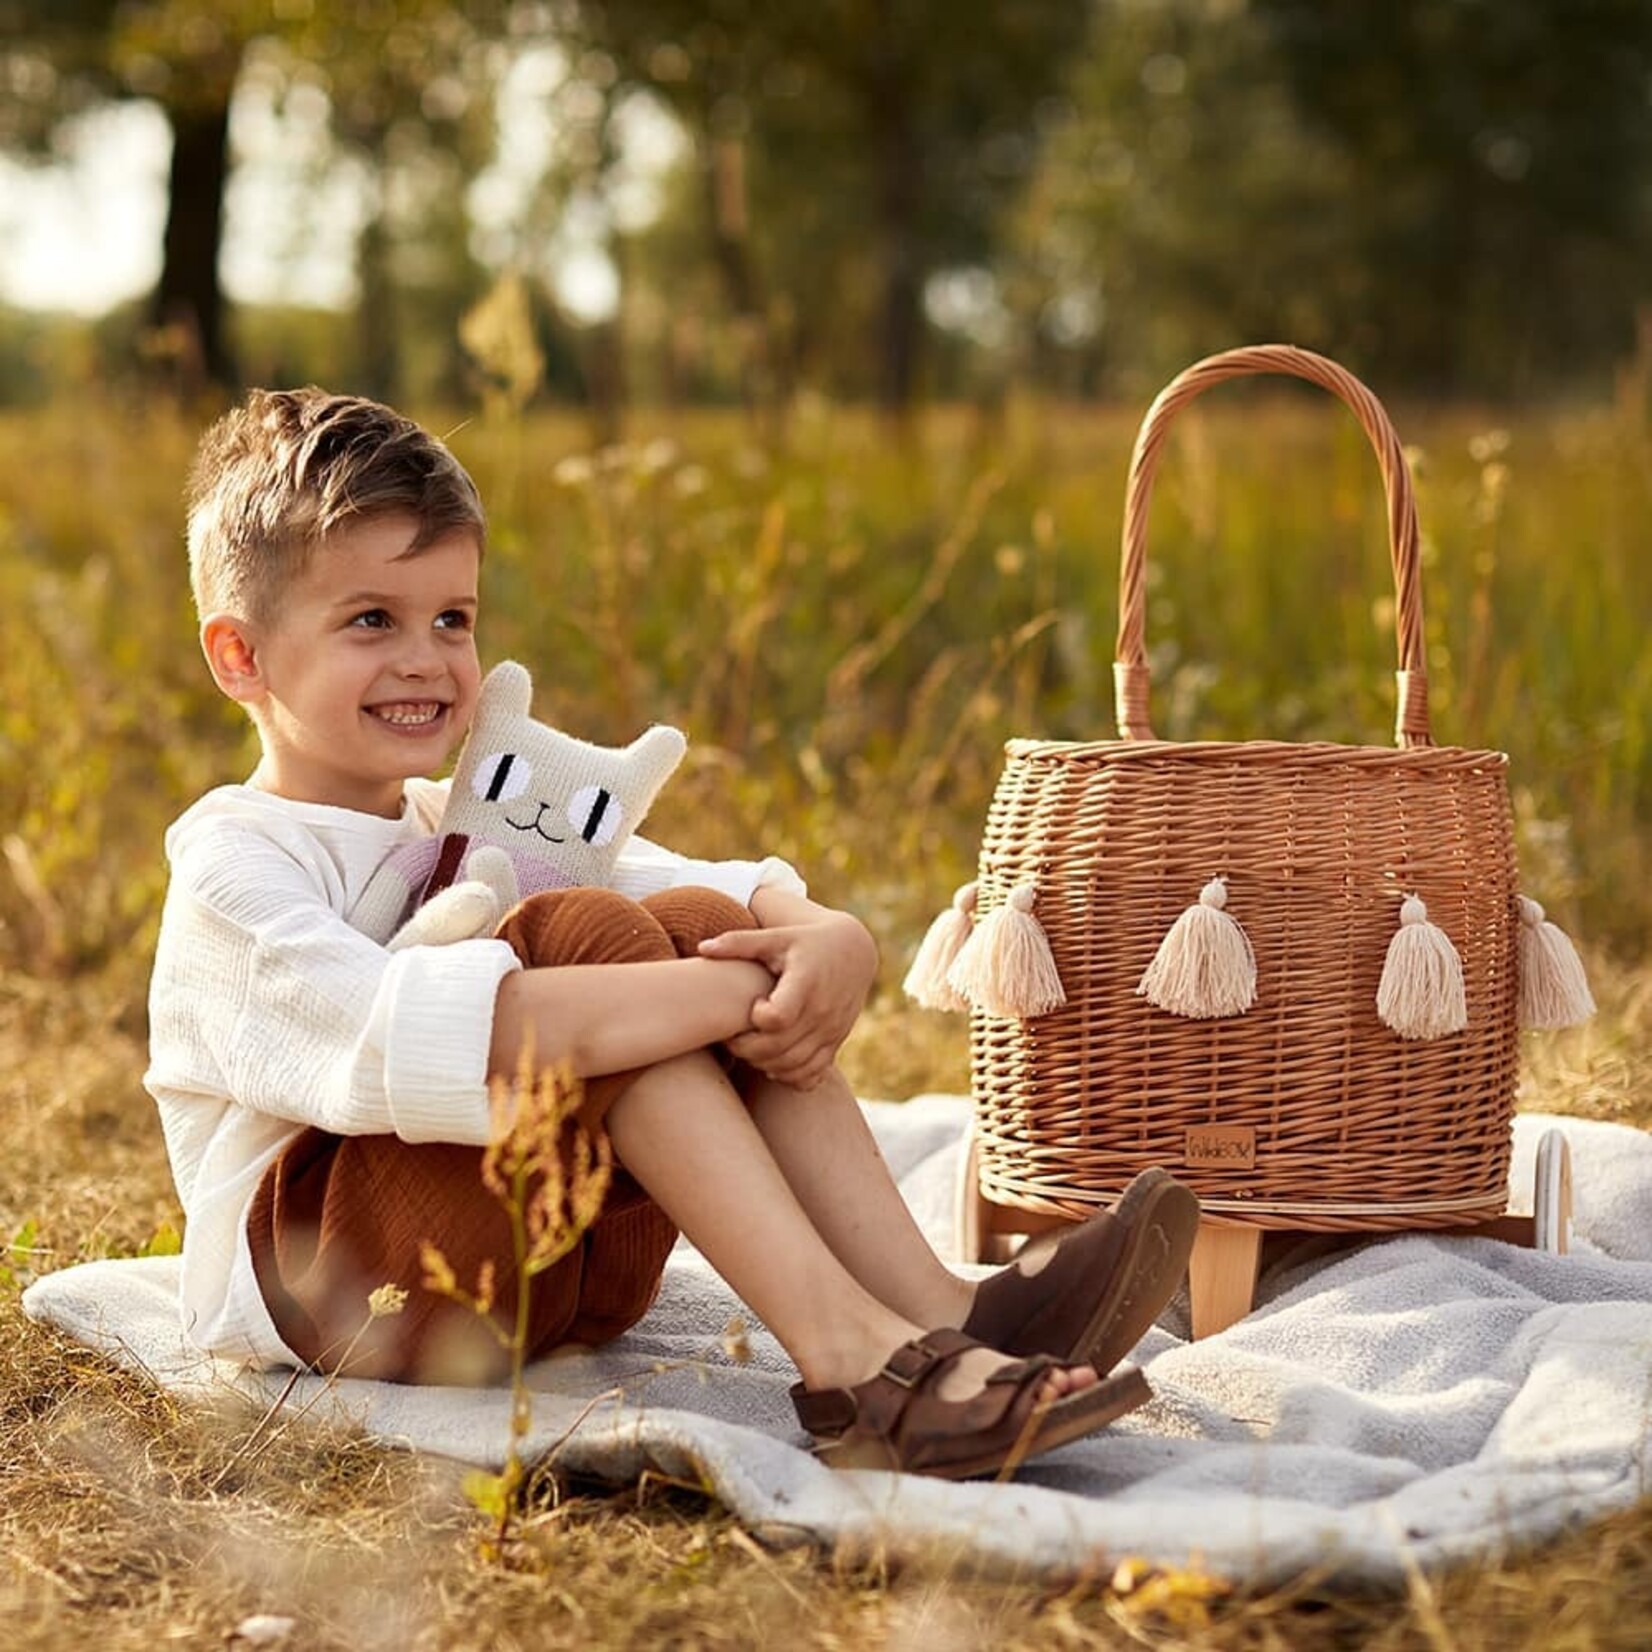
(122, 1526)
(883, 616)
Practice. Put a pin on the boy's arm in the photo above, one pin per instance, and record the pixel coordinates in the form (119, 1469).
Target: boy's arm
(824, 963)
(607, 1018)
(264, 996)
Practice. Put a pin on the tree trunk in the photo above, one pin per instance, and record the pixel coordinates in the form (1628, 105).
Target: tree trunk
(603, 358)
(376, 299)
(900, 198)
(727, 212)
(189, 298)
(725, 185)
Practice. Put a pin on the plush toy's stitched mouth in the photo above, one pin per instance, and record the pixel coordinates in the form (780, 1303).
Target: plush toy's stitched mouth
(533, 826)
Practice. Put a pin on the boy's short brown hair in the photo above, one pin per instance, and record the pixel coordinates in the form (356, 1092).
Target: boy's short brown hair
(276, 475)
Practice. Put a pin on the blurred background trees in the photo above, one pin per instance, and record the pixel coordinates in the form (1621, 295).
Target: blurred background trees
(735, 200)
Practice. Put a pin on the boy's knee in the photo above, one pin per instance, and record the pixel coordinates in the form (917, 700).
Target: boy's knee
(691, 915)
(584, 926)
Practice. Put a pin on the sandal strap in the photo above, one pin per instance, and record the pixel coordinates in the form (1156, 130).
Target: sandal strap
(1019, 1370)
(829, 1411)
(913, 1361)
(824, 1412)
(878, 1406)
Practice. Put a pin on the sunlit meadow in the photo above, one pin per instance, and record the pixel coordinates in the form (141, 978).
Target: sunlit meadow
(848, 622)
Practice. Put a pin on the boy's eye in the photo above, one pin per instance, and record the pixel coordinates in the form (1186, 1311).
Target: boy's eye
(373, 619)
(453, 619)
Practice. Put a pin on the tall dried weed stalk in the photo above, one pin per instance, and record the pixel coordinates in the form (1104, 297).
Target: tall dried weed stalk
(550, 1177)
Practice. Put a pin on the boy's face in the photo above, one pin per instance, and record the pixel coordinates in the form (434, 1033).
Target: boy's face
(368, 675)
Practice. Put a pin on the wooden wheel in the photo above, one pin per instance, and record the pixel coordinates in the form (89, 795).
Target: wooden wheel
(1552, 1197)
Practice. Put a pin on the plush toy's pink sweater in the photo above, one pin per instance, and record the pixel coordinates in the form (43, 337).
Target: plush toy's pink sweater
(268, 1012)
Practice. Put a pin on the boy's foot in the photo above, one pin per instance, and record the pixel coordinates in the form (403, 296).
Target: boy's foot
(1088, 1294)
(899, 1419)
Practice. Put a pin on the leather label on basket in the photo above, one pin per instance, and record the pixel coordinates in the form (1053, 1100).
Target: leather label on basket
(1221, 1146)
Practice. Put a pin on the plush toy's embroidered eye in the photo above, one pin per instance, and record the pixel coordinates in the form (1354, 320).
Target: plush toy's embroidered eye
(500, 776)
(595, 813)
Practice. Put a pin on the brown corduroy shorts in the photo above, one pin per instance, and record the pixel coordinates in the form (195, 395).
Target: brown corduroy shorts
(335, 1217)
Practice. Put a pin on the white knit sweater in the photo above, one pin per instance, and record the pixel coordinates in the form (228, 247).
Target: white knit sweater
(268, 1012)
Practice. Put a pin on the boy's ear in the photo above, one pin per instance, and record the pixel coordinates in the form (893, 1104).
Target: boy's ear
(231, 657)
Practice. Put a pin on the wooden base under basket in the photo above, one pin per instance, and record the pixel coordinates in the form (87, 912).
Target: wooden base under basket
(1228, 1254)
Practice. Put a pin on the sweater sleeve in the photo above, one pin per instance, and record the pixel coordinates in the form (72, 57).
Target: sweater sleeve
(644, 868)
(262, 985)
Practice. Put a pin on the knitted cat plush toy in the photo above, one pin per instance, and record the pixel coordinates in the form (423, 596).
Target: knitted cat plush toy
(530, 809)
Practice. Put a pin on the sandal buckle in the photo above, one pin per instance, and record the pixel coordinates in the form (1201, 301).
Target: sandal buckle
(907, 1365)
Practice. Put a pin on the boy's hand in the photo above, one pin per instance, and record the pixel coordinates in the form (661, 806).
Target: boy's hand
(823, 963)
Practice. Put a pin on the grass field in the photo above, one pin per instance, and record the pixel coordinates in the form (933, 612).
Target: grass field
(848, 625)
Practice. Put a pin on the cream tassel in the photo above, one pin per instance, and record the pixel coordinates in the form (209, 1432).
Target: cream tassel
(1554, 992)
(1006, 967)
(926, 980)
(1204, 966)
(1421, 994)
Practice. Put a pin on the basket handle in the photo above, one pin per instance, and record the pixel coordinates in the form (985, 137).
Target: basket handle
(1130, 673)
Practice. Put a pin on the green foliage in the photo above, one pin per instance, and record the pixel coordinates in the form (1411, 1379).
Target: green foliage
(406, 94)
(18, 1258)
(53, 56)
(837, 156)
(876, 201)
(1446, 193)
(166, 1240)
(1518, 132)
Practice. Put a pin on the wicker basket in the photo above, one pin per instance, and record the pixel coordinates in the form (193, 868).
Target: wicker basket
(1305, 1111)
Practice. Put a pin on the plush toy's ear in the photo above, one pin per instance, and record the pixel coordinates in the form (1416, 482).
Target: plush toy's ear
(506, 690)
(650, 758)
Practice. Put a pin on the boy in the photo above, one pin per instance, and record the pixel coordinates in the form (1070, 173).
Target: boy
(325, 1101)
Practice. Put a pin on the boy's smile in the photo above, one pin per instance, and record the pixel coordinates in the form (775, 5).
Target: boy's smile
(368, 674)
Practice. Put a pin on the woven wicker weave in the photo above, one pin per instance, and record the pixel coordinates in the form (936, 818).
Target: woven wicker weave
(1305, 1112)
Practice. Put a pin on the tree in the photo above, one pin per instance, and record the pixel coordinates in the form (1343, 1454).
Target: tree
(395, 77)
(82, 52)
(1181, 207)
(410, 91)
(1455, 189)
(1502, 150)
(53, 64)
(846, 145)
(188, 61)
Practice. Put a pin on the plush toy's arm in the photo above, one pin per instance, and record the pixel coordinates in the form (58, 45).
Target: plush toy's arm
(460, 913)
(390, 888)
(467, 909)
(491, 865)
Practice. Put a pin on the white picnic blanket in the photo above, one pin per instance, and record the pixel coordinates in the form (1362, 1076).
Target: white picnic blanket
(1414, 1400)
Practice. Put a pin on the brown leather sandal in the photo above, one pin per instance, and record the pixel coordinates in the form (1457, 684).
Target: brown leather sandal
(1088, 1294)
(897, 1420)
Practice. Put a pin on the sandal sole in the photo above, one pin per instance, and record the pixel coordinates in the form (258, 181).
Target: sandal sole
(1162, 1217)
(1067, 1420)
(1109, 1400)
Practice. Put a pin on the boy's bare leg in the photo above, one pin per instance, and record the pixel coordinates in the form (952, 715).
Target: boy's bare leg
(826, 1152)
(825, 1149)
(687, 1137)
